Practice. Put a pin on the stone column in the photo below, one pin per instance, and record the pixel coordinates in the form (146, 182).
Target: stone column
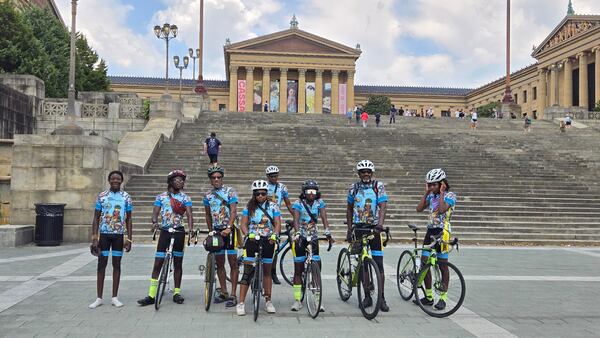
(335, 85)
(233, 79)
(249, 88)
(302, 90)
(568, 83)
(597, 74)
(541, 91)
(319, 91)
(583, 80)
(283, 90)
(553, 78)
(266, 86)
(350, 90)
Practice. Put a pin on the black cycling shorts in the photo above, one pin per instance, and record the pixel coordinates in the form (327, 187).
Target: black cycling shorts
(108, 242)
(427, 240)
(165, 239)
(376, 244)
(213, 158)
(299, 250)
(229, 247)
(251, 248)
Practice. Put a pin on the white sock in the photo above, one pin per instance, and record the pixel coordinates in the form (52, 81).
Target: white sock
(96, 303)
(115, 301)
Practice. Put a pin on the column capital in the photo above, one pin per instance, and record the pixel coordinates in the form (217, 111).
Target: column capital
(233, 68)
(350, 73)
(582, 54)
(249, 68)
(543, 71)
(283, 70)
(319, 72)
(301, 71)
(596, 49)
(552, 67)
(266, 69)
(566, 60)
(335, 72)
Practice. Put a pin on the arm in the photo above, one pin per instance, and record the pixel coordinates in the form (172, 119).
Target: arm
(129, 232)
(296, 215)
(382, 212)
(443, 205)
(244, 225)
(349, 212)
(95, 225)
(154, 219)
(204, 148)
(190, 218)
(326, 224)
(208, 218)
(288, 205)
(232, 216)
(277, 225)
(423, 202)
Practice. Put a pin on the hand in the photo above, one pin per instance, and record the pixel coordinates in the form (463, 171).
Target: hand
(252, 236)
(127, 246)
(443, 187)
(153, 227)
(349, 236)
(428, 189)
(95, 241)
(330, 239)
(226, 232)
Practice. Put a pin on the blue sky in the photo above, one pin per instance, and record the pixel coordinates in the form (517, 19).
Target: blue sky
(453, 43)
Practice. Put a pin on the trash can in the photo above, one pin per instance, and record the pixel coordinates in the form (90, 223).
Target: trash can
(49, 221)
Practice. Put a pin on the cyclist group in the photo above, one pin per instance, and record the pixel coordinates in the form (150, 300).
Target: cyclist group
(260, 224)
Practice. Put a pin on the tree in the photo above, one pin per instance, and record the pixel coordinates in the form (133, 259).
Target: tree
(378, 103)
(487, 110)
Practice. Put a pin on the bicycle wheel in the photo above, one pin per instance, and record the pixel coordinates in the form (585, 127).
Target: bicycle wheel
(369, 288)
(209, 280)
(257, 288)
(344, 274)
(162, 281)
(312, 289)
(286, 265)
(405, 274)
(453, 294)
(240, 264)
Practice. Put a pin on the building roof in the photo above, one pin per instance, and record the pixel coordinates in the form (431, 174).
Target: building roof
(157, 81)
(412, 90)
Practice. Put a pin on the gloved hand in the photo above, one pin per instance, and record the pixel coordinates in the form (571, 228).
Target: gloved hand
(349, 236)
(379, 229)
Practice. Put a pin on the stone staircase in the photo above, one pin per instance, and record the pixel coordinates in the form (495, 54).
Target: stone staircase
(513, 187)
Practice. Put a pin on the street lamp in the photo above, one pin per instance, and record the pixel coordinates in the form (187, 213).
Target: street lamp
(194, 57)
(166, 32)
(186, 61)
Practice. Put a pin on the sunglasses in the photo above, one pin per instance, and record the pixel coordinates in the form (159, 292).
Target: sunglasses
(260, 194)
(310, 191)
(431, 184)
(365, 171)
(272, 175)
(218, 177)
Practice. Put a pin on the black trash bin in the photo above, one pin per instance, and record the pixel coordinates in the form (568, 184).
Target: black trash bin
(49, 221)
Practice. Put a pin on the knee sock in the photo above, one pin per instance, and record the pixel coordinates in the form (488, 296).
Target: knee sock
(429, 294)
(297, 292)
(153, 287)
(176, 291)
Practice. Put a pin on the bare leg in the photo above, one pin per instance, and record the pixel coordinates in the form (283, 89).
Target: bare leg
(116, 263)
(102, 261)
(234, 273)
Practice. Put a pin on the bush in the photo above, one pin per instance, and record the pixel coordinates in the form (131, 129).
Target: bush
(378, 103)
(488, 109)
(146, 109)
(597, 107)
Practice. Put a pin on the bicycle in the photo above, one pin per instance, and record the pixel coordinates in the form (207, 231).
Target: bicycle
(311, 280)
(165, 278)
(410, 282)
(356, 268)
(286, 266)
(257, 280)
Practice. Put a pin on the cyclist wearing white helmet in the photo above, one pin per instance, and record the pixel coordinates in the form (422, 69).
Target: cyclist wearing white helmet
(367, 205)
(440, 202)
(220, 205)
(277, 194)
(171, 205)
(261, 221)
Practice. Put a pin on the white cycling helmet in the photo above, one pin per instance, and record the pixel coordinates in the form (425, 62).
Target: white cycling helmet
(365, 164)
(260, 185)
(272, 170)
(435, 175)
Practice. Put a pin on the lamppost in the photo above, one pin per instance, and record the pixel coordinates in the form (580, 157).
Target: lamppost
(166, 32)
(194, 57)
(186, 61)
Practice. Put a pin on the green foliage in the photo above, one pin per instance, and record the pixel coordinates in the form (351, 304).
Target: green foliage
(146, 109)
(597, 108)
(38, 44)
(488, 109)
(378, 103)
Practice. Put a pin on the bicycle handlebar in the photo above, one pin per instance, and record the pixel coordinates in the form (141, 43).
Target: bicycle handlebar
(193, 234)
(326, 239)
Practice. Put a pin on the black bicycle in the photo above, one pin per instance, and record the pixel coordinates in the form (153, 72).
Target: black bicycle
(165, 278)
(257, 279)
(312, 287)
(286, 261)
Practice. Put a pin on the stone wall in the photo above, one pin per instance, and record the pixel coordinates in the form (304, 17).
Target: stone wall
(60, 169)
(6, 153)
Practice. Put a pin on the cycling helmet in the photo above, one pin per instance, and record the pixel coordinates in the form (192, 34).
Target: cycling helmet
(260, 185)
(435, 175)
(310, 184)
(215, 169)
(365, 164)
(175, 173)
(272, 170)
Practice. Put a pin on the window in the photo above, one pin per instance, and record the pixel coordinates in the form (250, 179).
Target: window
(524, 96)
(516, 99)
(535, 93)
(222, 107)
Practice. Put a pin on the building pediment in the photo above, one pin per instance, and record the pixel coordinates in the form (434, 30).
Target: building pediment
(572, 27)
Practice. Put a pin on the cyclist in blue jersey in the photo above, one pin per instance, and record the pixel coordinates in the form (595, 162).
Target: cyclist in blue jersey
(111, 217)
(220, 204)
(366, 210)
(261, 221)
(172, 205)
(439, 202)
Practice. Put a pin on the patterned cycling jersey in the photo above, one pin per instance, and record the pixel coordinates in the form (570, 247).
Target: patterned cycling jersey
(259, 223)
(366, 201)
(219, 200)
(113, 206)
(437, 219)
(277, 192)
(171, 219)
(308, 228)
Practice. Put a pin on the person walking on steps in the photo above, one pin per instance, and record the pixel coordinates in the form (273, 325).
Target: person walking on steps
(212, 147)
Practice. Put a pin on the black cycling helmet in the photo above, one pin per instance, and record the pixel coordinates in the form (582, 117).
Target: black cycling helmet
(176, 173)
(215, 169)
(310, 184)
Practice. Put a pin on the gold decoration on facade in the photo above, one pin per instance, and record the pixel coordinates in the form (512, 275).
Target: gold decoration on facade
(570, 30)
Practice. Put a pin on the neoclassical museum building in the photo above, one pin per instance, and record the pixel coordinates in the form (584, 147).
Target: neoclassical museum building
(294, 71)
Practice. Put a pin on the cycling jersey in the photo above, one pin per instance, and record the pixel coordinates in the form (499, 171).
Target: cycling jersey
(113, 206)
(277, 192)
(171, 219)
(307, 227)
(259, 223)
(437, 219)
(219, 200)
(365, 200)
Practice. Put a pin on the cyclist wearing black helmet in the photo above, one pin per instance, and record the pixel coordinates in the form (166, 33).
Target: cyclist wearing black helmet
(367, 205)
(220, 204)
(171, 205)
(307, 210)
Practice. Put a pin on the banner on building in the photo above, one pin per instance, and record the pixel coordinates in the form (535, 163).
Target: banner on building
(310, 97)
(274, 96)
(327, 98)
(292, 96)
(257, 96)
(342, 101)
(241, 95)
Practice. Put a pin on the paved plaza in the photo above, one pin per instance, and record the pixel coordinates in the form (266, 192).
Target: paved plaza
(524, 292)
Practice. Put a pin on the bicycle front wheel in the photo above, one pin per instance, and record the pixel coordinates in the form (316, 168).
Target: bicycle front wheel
(162, 281)
(209, 280)
(369, 288)
(405, 274)
(286, 265)
(257, 288)
(448, 293)
(344, 275)
(312, 289)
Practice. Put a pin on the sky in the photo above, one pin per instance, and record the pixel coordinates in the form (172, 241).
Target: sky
(441, 43)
